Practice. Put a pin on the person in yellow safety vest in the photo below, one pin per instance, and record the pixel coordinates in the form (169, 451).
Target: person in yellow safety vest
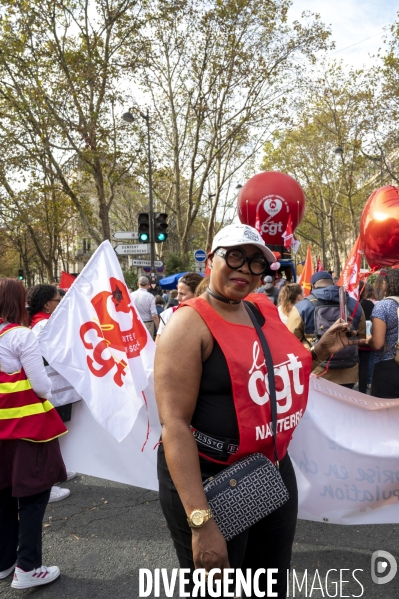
(30, 457)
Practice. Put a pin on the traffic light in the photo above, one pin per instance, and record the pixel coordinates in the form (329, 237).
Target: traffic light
(21, 274)
(144, 227)
(160, 227)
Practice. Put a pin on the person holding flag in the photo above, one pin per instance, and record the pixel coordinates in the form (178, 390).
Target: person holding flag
(42, 302)
(310, 318)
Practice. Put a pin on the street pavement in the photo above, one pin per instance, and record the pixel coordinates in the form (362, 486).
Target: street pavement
(104, 532)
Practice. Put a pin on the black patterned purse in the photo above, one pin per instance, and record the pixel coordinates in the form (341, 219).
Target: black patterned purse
(251, 488)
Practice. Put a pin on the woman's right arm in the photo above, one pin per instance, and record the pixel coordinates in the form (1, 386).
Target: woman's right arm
(28, 350)
(379, 330)
(184, 345)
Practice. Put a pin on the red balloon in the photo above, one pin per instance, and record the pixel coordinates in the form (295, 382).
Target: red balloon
(379, 227)
(274, 196)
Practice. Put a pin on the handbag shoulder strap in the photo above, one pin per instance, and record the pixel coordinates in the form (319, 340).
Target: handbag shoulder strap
(270, 376)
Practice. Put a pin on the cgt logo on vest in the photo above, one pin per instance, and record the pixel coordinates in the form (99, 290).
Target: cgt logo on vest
(117, 328)
(286, 374)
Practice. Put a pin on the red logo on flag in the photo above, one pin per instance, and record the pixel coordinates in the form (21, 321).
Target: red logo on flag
(117, 327)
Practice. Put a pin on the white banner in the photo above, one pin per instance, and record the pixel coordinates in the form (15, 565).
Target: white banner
(346, 457)
(89, 449)
(97, 341)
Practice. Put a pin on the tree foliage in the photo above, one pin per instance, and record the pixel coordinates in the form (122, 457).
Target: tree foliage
(215, 72)
(323, 150)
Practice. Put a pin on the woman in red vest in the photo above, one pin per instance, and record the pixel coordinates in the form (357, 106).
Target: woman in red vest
(30, 457)
(212, 395)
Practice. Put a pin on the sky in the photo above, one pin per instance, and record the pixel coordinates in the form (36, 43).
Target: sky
(352, 21)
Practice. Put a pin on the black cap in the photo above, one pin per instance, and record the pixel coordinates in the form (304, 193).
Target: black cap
(321, 274)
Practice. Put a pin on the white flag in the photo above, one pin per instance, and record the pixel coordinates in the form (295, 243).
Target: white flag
(98, 342)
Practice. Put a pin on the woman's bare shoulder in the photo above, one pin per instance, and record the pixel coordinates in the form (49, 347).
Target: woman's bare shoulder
(187, 328)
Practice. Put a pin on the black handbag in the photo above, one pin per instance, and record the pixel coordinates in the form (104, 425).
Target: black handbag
(251, 488)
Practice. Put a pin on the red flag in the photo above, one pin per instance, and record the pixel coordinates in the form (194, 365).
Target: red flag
(319, 266)
(288, 235)
(307, 273)
(66, 280)
(351, 272)
(257, 220)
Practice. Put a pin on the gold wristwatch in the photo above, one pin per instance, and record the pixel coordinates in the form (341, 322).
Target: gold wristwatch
(198, 518)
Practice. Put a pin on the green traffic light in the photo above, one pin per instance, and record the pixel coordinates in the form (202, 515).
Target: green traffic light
(143, 237)
(161, 237)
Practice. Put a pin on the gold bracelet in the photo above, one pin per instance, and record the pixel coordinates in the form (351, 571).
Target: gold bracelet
(315, 358)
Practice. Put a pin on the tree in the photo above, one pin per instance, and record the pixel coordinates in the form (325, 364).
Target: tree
(218, 74)
(324, 152)
(60, 68)
(384, 107)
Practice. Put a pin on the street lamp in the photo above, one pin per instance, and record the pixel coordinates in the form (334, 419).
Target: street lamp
(129, 118)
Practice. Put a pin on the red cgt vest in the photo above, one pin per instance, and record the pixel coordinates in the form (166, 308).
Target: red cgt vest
(243, 352)
(23, 415)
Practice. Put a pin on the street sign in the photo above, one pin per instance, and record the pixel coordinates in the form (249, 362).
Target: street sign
(160, 269)
(147, 268)
(200, 267)
(126, 235)
(145, 263)
(200, 255)
(131, 248)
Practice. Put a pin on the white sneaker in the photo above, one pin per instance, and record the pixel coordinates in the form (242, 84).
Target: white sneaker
(57, 494)
(70, 474)
(6, 573)
(34, 578)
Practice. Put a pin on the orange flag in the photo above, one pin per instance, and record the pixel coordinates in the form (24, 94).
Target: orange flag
(307, 273)
(350, 274)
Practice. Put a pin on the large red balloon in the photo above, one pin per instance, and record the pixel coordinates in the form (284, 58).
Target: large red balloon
(276, 196)
(379, 227)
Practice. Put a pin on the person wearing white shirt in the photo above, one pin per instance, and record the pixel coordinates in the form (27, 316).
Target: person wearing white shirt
(144, 303)
(42, 302)
(30, 457)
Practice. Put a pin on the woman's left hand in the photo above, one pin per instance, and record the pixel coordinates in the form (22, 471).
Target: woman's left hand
(335, 339)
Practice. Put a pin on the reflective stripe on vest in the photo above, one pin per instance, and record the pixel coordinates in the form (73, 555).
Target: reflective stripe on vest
(23, 385)
(35, 408)
(23, 415)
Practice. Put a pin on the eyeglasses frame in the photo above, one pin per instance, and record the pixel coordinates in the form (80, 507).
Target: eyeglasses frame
(223, 253)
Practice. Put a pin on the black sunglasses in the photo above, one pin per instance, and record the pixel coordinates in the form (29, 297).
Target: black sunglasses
(236, 257)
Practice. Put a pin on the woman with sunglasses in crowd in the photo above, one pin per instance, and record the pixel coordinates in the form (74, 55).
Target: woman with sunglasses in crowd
(214, 406)
(30, 457)
(42, 301)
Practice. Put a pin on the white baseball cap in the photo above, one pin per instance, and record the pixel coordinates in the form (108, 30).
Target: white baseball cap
(236, 235)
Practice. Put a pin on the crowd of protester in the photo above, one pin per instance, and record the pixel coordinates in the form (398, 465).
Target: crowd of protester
(370, 365)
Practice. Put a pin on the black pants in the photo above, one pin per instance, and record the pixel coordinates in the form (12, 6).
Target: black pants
(267, 544)
(385, 379)
(364, 359)
(21, 539)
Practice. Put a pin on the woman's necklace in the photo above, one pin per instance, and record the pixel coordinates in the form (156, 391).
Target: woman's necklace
(221, 298)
